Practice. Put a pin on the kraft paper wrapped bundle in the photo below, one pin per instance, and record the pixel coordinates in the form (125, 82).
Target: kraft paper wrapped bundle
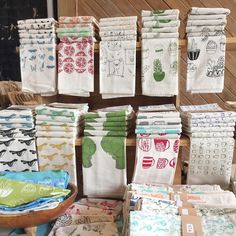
(38, 55)
(118, 56)
(76, 55)
(157, 147)
(160, 52)
(57, 130)
(210, 129)
(206, 49)
(17, 140)
(104, 151)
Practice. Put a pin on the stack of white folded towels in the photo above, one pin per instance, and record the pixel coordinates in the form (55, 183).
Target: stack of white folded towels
(118, 56)
(38, 55)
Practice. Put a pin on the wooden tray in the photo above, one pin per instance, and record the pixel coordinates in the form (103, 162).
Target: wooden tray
(32, 219)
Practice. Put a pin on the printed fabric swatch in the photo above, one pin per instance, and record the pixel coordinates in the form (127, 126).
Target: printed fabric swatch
(160, 53)
(17, 141)
(118, 57)
(206, 50)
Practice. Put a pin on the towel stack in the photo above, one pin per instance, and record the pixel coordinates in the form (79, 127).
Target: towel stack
(17, 140)
(211, 132)
(160, 52)
(118, 56)
(76, 55)
(32, 191)
(158, 131)
(206, 49)
(104, 151)
(166, 210)
(89, 213)
(57, 129)
(38, 55)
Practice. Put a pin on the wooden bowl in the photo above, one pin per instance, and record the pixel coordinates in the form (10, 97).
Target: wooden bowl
(31, 219)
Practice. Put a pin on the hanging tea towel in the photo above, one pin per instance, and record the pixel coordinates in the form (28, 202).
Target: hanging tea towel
(76, 67)
(160, 67)
(156, 160)
(104, 166)
(38, 68)
(117, 67)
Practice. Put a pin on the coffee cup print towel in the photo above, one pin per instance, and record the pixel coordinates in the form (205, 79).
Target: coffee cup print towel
(206, 50)
(160, 53)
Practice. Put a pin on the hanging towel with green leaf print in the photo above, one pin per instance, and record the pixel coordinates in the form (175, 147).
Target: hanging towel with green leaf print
(104, 166)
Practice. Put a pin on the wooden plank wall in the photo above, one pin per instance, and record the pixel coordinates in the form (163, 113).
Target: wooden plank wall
(110, 8)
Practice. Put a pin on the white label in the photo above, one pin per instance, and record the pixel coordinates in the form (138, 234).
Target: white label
(190, 228)
(185, 212)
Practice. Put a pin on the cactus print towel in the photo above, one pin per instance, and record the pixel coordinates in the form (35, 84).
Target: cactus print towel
(206, 50)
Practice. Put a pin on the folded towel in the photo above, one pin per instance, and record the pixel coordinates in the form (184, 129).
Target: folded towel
(38, 68)
(160, 24)
(78, 19)
(26, 35)
(157, 115)
(57, 153)
(76, 67)
(207, 17)
(144, 130)
(119, 22)
(159, 121)
(160, 67)
(160, 12)
(38, 21)
(159, 18)
(64, 119)
(117, 67)
(117, 33)
(119, 38)
(104, 155)
(46, 25)
(38, 41)
(55, 128)
(107, 133)
(118, 27)
(210, 134)
(209, 11)
(119, 19)
(55, 123)
(210, 161)
(159, 35)
(205, 72)
(57, 134)
(37, 31)
(161, 30)
(204, 28)
(221, 22)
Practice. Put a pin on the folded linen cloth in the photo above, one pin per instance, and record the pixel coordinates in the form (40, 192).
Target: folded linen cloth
(160, 23)
(26, 35)
(205, 35)
(75, 29)
(208, 129)
(104, 155)
(16, 125)
(55, 178)
(38, 41)
(118, 38)
(78, 19)
(57, 153)
(76, 34)
(122, 18)
(158, 121)
(159, 18)
(156, 160)
(210, 134)
(17, 120)
(109, 128)
(207, 17)
(159, 35)
(160, 67)
(55, 128)
(64, 119)
(92, 229)
(204, 28)
(160, 12)
(117, 67)
(107, 133)
(55, 123)
(210, 160)
(209, 11)
(118, 22)
(117, 33)
(16, 193)
(210, 57)
(161, 30)
(157, 115)
(37, 31)
(46, 25)
(57, 134)
(118, 27)
(221, 22)
(38, 68)
(32, 21)
(76, 67)
(17, 133)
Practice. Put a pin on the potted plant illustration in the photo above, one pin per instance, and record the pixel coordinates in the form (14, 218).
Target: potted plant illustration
(158, 74)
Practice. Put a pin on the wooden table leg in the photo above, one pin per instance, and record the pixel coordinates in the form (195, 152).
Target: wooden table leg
(31, 231)
(177, 179)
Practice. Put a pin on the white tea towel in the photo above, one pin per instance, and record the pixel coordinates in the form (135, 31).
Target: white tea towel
(210, 160)
(38, 41)
(161, 30)
(57, 134)
(211, 134)
(160, 24)
(117, 33)
(209, 11)
(159, 35)
(104, 166)
(46, 25)
(156, 160)
(32, 21)
(204, 28)
(120, 38)
(117, 67)
(207, 17)
(119, 27)
(206, 63)
(56, 154)
(120, 22)
(159, 18)
(37, 31)
(76, 66)
(62, 118)
(160, 12)
(160, 67)
(38, 68)
(122, 18)
(220, 22)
